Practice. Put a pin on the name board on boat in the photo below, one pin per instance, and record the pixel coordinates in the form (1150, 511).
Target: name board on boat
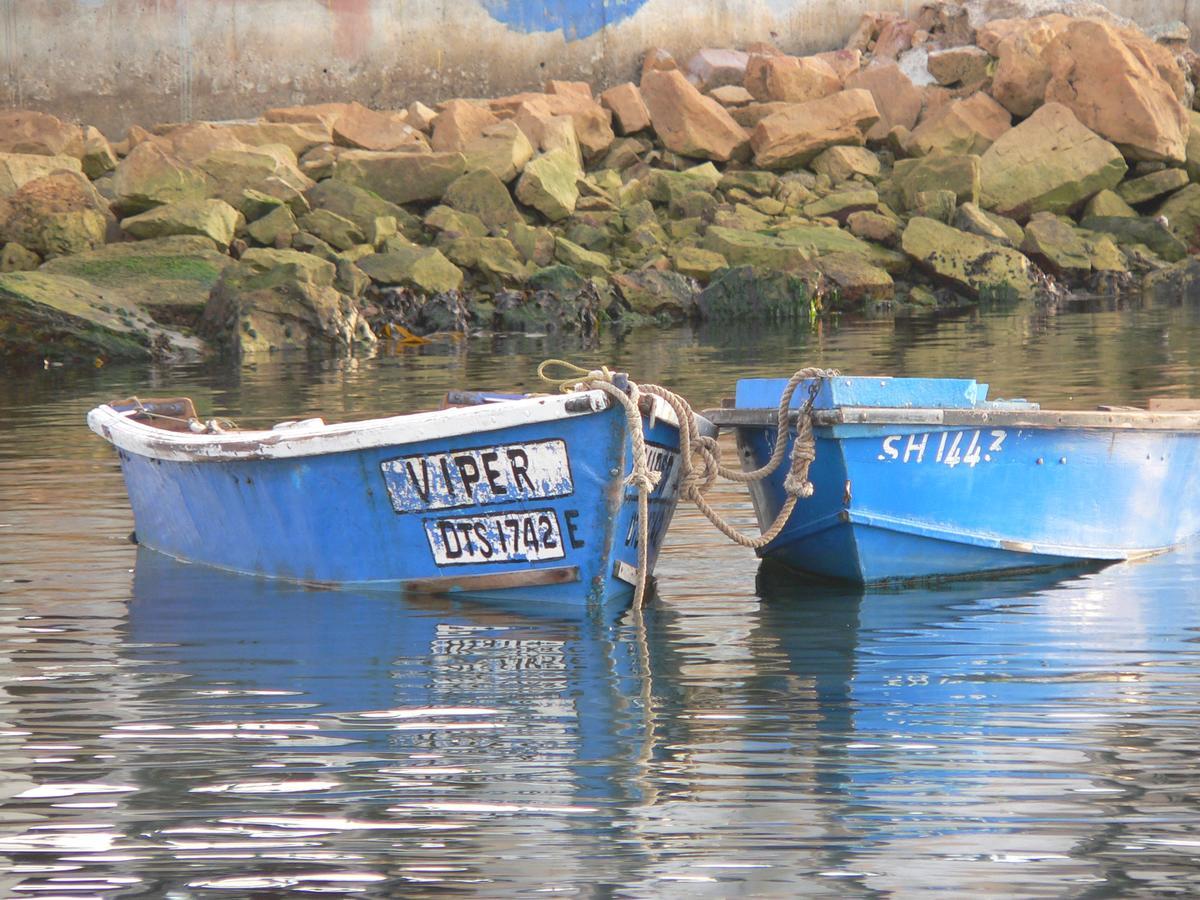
(496, 537)
(478, 476)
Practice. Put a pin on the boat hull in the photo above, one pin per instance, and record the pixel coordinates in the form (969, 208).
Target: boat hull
(523, 501)
(904, 503)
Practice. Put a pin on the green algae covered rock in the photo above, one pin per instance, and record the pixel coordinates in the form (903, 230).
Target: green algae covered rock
(423, 268)
(213, 219)
(972, 264)
(548, 184)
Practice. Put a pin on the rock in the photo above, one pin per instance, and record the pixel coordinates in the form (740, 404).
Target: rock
(961, 174)
(973, 220)
(484, 195)
(1192, 149)
(1116, 92)
(362, 207)
(420, 116)
(319, 162)
(591, 122)
(15, 258)
(760, 184)
(895, 36)
(855, 280)
(746, 293)
(54, 215)
(873, 226)
(1182, 213)
(536, 245)
(713, 68)
(1150, 232)
(1022, 73)
(959, 65)
(732, 95)
(423, 268)
(696, 262)
(793, 136)
(650, 292)
(214, 219)
(689, 123)
(401, 177)
(451, 224)
(459, 123)
(970, 263)
(582, 260)
(897, 100)
(275, 229)
(18, 169)
(561, 88)
(1108, 203)
(937, 204)
(170, 278)
(1055, 246)
(750, 248)
(149, 177)
(546, 131)
(558, 279)
(658, 60)
(840, 204)
(97, 157)
(548, 185)
(842, 163)
(361, 128)
(495, 258)
(281, 299)
(627, 107)
(57, 317)
(1050, 162)
(323, 114)
(298, 138)
(843, 62)
(961, 127)
(1152, 186)
(819, 240)
(502, 149)
(337, 231)
(790, 79)
(233, 172)
(39, 133)
(663, 186)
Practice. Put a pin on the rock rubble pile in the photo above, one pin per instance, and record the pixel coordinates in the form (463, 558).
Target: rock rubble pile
(932, 160)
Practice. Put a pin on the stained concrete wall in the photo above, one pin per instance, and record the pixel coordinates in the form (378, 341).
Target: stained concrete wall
(115, 62)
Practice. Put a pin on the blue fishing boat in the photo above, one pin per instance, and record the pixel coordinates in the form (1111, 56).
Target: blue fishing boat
(918, 478)
(526, 498)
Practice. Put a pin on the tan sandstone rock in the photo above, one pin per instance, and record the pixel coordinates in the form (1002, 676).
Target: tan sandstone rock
(793, 136)
(689, 123)
(897, 99)
(366, 129)
(790, 79)
(627, 107)
(970, 125)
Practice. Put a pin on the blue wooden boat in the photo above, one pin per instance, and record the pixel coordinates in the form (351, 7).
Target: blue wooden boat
(516, 498)
(919, 478)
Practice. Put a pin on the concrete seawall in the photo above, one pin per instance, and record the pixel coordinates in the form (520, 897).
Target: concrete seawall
(113, 62)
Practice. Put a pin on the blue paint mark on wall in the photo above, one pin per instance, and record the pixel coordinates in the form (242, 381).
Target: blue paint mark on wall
(576, 19)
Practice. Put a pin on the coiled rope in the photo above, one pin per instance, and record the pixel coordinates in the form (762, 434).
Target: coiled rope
(696, 480)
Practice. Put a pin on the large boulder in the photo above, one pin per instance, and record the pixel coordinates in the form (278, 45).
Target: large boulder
(789, 78)
(54, 215)
(281, 299)
(459, 123)
(628, 108)
(482, 194)
(548, 184)
(687, 122)
(231, 172)
(170, 278)
(1022, 72)
(150, 176)
(46, 316)
(18, 169)
(714, 67)
(360, 206)
(897, 99)
(797, 133)
(361, 128)
(423, 268)
(28, 131)
(297, 137)
(502, 149)
(214, 219)
(590, 121)
(972, 264)
(1050, 162)
(401, 177)
(749, 293)
(751, 248)
(970, 125)
(1116, 90)
(324, 114)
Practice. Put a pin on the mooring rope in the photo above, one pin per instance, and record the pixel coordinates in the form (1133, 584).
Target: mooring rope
(695, 481)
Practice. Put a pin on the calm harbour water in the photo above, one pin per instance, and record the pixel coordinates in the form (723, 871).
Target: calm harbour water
(171, 731)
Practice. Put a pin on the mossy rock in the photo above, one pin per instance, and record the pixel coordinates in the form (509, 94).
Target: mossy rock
(749, 293)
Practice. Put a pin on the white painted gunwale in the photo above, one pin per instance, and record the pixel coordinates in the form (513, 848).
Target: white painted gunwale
(343, 437)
